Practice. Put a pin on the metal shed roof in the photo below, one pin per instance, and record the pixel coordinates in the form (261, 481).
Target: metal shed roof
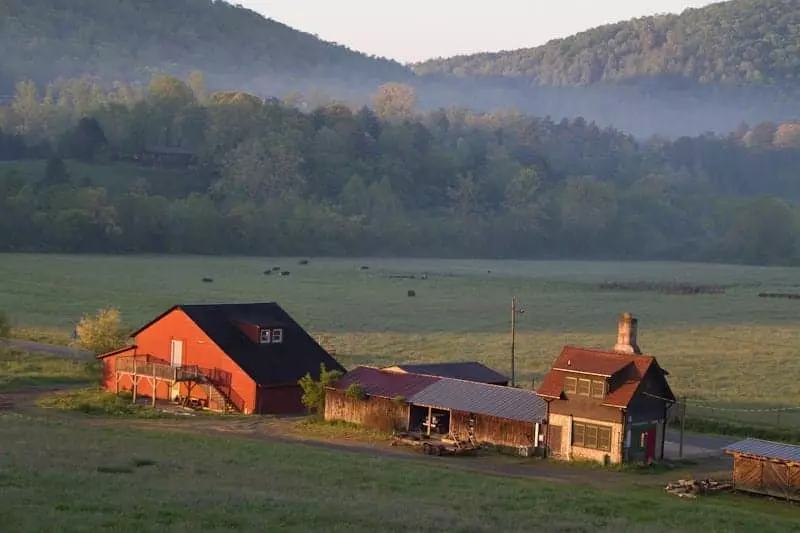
(765, 448)
(447, 393)
(484, 399)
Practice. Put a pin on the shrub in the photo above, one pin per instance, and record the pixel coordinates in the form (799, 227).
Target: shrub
(355, 392)
(400, 400)
(102, 332)
(314, 390)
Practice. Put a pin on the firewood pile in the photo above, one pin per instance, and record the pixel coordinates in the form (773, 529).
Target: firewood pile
(690, 488)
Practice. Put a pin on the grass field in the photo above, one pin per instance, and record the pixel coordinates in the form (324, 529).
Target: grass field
(732, 351)
(61, 474)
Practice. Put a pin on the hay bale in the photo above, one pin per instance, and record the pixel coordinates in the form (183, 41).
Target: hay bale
(268, 272)
(285, 273)
(208, 280)
(411, 293)
(364, 267)
(303, 262)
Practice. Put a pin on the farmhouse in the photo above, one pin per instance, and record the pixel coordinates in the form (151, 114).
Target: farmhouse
(609, 406)
(491, 414)
(769, 468)
(244, 357)
(468, 371)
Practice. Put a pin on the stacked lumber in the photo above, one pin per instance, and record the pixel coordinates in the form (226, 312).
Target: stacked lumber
(690, 488)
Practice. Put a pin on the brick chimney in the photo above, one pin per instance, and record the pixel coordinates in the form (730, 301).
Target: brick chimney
(626, 335)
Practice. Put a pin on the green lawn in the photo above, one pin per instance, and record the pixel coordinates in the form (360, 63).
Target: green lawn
(733, 350)
(63, 475)
(21, 370)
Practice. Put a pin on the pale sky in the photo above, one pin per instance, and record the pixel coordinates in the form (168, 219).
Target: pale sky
(413, 30)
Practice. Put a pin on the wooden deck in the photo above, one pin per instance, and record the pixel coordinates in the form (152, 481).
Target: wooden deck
(217, 382)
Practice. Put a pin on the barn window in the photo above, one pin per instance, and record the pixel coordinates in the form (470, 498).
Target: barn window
(264, 336)
(570, 385)
(584, 387)
(277, 336)
(598, 389)
(591, 436)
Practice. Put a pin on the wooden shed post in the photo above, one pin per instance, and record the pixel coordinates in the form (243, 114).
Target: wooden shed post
(430, 419)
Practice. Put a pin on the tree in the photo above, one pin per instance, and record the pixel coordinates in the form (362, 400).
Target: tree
(314, 390)
(101, 332)
(395, 101)
(87, 139)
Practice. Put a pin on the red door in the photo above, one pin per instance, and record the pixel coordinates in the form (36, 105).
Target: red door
(649, 438)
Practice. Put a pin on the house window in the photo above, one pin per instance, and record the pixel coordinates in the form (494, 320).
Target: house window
(591, 436)
(598, 389)
(584, 387)
(265, 336)
(570, 385)
(277, 336)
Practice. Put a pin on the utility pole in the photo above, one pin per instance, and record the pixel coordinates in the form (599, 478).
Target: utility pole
(514, 312)
(683, 427)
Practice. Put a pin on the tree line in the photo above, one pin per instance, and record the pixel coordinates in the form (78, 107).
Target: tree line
(237, 174)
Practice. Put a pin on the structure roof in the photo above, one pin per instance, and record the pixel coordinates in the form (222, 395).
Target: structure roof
(466, 370)
(599, 363)
(267, 364)
(767, 449)
(385, 384)
(449, 393)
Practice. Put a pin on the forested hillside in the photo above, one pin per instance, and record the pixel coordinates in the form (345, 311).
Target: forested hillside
(734, 42)
(752, 42)
(128, 40)
(172, 168)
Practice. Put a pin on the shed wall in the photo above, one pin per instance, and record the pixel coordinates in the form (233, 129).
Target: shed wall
(493, 430)
(766, 477)
(373, 412)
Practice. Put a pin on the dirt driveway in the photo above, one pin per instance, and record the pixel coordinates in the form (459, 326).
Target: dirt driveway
(287, 430)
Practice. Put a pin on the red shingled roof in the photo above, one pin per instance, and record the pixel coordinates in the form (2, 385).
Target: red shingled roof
(599, 363)
(385, 384)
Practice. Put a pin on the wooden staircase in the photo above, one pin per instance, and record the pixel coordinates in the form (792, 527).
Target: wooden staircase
(218, 397)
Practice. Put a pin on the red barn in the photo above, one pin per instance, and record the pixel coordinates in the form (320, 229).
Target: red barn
(245, 357)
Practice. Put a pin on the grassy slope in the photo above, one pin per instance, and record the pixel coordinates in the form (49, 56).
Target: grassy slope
(718, 349)
(21, 370)
(213, 483)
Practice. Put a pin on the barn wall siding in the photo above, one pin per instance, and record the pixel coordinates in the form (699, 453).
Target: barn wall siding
(493, 430)
(154, 343)
(373, 412)
(280, 400)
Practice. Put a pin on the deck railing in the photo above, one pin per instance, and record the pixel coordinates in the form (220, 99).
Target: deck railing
(166, 371)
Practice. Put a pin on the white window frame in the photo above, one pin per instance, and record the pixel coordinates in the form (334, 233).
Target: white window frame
(277, 335)
(265, 336)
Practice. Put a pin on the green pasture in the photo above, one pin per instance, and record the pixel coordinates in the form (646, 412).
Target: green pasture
(734, 349)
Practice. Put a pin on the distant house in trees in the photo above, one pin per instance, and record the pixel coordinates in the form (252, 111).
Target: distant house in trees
(609, 406)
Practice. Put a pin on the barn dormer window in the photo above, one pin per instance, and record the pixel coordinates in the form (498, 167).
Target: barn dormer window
(270, 336)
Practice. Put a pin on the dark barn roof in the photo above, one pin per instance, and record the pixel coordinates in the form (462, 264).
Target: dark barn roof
(767, 449)
(268, 364)
(447, 393)
(466, 370)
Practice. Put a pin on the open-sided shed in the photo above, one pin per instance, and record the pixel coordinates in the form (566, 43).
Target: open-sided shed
(491, 414)
(764, 467)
